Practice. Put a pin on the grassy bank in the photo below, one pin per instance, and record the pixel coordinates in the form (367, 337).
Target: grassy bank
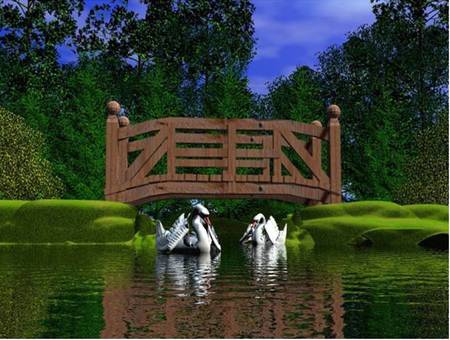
(374, 223)
(56, 221)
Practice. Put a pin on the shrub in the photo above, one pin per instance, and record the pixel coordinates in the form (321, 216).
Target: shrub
(24, 171)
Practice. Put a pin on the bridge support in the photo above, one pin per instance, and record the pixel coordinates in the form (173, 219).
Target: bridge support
(210, 158)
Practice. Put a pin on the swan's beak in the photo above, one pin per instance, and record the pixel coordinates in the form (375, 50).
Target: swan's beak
(253, 224)
(208, 222)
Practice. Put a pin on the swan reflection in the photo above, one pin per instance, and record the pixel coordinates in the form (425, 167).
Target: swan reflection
(188, 274)
(268, 265)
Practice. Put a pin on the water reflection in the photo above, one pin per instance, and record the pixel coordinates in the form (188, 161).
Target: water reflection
(267, 264)
(188, 274)
(112, 292)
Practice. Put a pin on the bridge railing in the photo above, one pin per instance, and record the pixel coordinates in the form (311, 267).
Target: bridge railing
(229, 149)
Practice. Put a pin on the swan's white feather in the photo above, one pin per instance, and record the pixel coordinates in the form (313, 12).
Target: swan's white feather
(272, 230)
(167, 240)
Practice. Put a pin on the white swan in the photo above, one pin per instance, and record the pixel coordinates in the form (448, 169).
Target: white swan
(261, 232)
(203, 238)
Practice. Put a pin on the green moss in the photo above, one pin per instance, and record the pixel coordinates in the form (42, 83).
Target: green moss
(145, 225)
(143, 242)
(55, 221)
(383, 224)
(363, 208)
(7, 210)
(429, 211)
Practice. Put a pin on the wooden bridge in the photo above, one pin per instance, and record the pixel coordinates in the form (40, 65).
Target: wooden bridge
(222, 158)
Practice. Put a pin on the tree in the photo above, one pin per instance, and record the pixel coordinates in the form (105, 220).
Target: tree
(79, 132)
(24, 172)
(390, 88)
(297, 97)
(229, 96)
(193, 40)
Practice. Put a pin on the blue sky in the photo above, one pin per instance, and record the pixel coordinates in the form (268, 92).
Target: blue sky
(290, 33)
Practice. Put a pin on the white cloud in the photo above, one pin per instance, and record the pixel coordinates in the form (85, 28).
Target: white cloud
(280, 24)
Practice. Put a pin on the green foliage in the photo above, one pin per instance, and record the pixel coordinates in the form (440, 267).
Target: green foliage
(50, 221)
(80, 131)
(297, 97)
(145, 225)
(24, 172)
(427, 172)
(389, 79)
(384, 224)
(229, 96)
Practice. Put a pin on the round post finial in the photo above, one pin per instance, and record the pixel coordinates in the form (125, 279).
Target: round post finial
(316, 123)
(113, 108)
(333, 111)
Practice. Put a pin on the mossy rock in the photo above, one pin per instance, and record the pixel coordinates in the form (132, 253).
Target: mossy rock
(56, 221)
(375, 223)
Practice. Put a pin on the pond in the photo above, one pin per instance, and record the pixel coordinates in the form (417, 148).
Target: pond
(112, 291)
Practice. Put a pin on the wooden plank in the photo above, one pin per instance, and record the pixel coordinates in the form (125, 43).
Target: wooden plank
(140, 128)
(250, 163)
(255, 153)
(166, 190)
(253, 178)
(151, 146)
(230, 172)
(215, 178)
(149, 164)
(138, 144)
(248, 139)
(288, 179)
(277, 151)
(268, 145)
(290, 167)
(199, 138)
(196, 123)
(241, 178)
(316, 151)
(200, 152)
(190, 177)
(203, 178)
(300, 148)
(170, 151)
(200, 163)
(178, 177)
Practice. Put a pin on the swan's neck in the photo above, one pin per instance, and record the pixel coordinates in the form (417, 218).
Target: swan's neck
(258, 235)
(204, 241)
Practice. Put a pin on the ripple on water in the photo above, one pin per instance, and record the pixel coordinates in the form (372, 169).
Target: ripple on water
(244, 292)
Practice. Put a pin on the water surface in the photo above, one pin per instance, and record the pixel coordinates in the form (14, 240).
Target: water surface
(111, 291)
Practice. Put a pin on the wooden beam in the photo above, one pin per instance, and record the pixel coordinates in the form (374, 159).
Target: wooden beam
(200, 152)
(152, 144)
(199, 138)
(199, 163)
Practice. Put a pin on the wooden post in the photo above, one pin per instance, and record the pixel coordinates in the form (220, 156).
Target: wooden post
(334, 134)
(171, 171)
(231, 151)
(316, 151)
(112, 148)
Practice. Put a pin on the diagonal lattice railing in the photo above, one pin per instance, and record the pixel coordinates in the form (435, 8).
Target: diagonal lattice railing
(197, 157)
